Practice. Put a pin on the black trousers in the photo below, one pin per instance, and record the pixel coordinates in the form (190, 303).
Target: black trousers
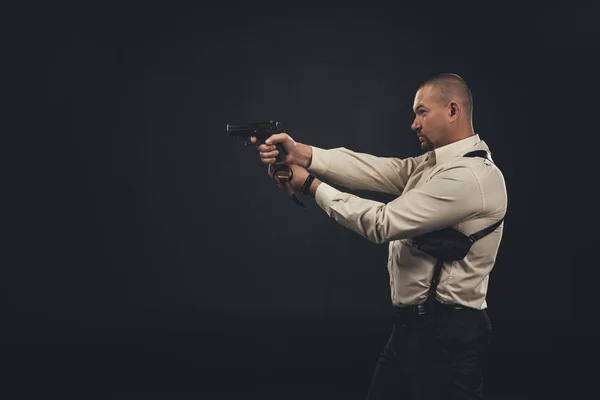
(437, 355)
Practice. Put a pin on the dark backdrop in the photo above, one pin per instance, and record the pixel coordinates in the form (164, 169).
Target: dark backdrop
(148, 255)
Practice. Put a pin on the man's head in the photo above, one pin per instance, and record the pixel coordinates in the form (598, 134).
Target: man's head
(443, 110)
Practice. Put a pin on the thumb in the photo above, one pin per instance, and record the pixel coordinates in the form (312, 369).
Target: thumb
(277, 138)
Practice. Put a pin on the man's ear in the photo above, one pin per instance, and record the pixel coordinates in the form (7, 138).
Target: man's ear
(454, 109)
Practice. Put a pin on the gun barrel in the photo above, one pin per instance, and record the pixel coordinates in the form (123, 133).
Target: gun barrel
(270, 126)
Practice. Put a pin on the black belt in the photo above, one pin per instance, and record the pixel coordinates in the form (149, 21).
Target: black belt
(424, 308)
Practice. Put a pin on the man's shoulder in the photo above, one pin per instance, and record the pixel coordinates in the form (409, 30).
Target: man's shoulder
(480, 164)
(477, 155)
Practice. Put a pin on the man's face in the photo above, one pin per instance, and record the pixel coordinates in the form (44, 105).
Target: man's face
(430, 119)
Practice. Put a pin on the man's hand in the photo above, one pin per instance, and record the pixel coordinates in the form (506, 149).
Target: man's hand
(298, 159)
(297, 153)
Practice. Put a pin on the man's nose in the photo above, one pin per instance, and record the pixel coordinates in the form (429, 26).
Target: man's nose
(415, 126)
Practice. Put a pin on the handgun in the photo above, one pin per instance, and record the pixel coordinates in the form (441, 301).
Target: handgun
(282, 174)
(261, 131)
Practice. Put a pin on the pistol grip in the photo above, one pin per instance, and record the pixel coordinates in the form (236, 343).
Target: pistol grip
(281, 153)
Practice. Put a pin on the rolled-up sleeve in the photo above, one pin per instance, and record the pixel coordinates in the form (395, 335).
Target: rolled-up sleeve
(448, 198)
(360, 171)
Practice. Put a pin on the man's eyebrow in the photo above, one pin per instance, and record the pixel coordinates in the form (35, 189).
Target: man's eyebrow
(418, 107)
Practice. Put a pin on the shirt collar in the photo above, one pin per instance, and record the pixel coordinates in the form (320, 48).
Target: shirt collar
(454, 149)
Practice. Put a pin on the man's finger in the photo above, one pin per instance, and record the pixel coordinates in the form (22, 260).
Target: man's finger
(277, 138)
(267, 160)
(269, 154)
(265, 147)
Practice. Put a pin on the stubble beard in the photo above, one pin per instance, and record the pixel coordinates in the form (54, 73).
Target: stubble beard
(426, 145)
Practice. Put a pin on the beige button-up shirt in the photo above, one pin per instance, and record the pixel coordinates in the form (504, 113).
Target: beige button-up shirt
(437, 189)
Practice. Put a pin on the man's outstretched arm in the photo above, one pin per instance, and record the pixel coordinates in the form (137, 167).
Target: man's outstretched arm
(344, 167)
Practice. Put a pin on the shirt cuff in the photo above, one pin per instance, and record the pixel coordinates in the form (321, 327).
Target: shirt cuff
(325, 195)
(319, 162)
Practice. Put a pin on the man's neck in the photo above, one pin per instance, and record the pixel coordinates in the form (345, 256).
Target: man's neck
(462, 133)
(455, 139)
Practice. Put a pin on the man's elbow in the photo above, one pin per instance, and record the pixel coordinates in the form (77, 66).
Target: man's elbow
(384, 232)
(379, 232)
(381, 236)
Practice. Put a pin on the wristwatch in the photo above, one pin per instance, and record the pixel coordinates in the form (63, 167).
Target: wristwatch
(306, 187)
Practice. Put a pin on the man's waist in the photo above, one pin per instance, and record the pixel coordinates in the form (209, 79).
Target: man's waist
(429, 307)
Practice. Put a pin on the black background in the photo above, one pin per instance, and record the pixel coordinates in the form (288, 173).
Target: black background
(148, 255)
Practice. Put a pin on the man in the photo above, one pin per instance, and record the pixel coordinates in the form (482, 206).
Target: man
(441, 336)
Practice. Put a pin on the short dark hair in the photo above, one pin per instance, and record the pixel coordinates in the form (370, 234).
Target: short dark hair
(448, 86)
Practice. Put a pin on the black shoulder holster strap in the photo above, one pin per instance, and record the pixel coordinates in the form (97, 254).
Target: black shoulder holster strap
(449, 244)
